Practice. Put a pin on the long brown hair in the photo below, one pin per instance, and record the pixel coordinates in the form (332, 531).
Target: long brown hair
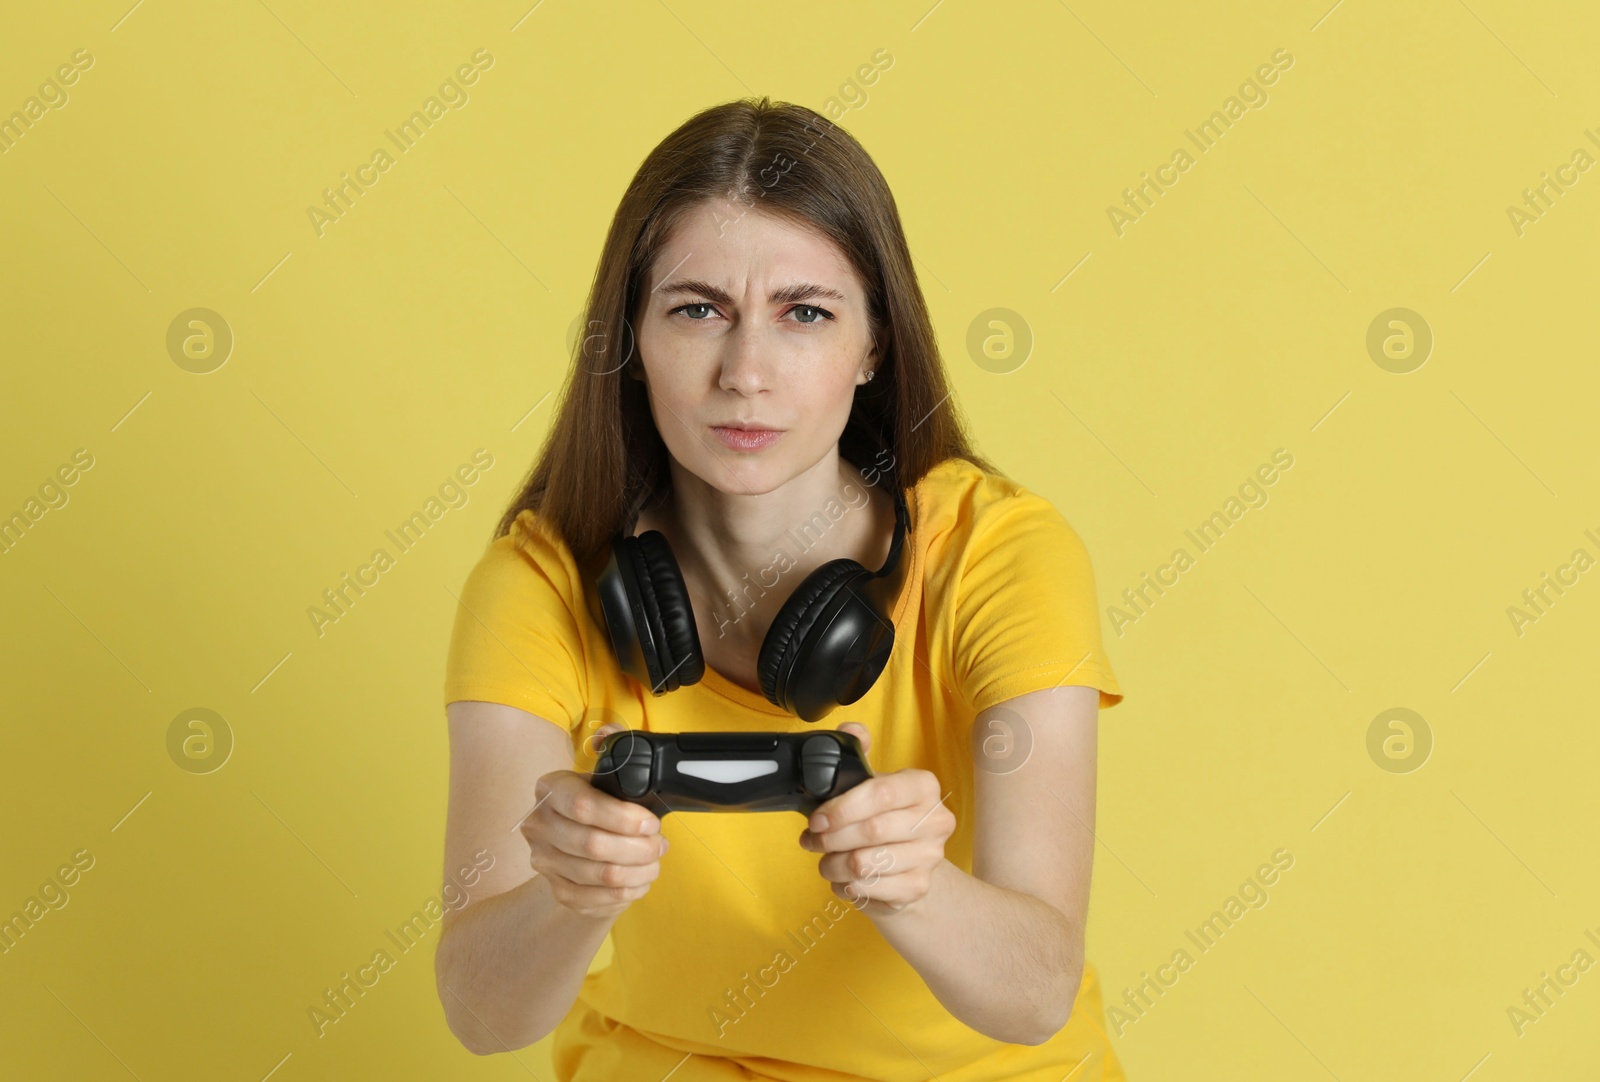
(603, 460)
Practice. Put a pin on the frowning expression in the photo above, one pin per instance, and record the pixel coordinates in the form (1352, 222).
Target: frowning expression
(747, 320)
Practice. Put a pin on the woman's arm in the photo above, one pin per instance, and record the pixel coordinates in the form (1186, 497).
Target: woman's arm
(511, 958)
(1003, 947)
(509, 967)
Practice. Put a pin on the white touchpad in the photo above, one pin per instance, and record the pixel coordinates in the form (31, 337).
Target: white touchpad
(728, 771)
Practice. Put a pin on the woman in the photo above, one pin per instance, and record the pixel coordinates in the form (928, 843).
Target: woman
(929, 921)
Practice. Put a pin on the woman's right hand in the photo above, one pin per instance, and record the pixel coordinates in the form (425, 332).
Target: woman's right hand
(600, 854)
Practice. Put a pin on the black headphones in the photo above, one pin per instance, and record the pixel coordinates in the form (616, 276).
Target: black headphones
(826, 647)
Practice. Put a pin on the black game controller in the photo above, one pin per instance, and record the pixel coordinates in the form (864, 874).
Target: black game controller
(728, 771)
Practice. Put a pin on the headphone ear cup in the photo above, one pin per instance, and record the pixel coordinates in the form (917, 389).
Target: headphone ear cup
(666, 604)
(618, 605)
(826, 646)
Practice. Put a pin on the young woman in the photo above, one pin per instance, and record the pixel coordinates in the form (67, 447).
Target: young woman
(755, 313)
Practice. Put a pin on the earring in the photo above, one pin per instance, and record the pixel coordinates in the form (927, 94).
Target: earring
(870, 375)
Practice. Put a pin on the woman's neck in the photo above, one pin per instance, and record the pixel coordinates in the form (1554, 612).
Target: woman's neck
(742, 556)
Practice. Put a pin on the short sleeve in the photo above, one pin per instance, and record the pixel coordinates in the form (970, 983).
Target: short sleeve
(1026, 616)
(516, 638)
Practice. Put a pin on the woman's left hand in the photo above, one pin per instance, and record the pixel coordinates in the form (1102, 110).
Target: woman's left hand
(882, 840)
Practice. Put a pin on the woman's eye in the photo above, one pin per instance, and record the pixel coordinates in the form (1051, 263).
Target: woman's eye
(807, 313)
(821, 313)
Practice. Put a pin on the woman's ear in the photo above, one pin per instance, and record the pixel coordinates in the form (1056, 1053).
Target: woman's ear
(868, 368)
(870, 363)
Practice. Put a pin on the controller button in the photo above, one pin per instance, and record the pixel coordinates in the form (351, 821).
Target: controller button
(728, 771)
(819, 765)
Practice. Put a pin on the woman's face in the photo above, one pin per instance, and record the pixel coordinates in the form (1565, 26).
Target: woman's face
(749, 320)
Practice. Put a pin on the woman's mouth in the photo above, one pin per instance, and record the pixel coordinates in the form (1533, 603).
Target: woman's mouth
(747, 439)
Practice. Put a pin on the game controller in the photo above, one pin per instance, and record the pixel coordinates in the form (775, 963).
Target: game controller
(728, 772)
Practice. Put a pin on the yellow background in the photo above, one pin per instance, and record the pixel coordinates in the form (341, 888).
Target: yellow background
(373, 360)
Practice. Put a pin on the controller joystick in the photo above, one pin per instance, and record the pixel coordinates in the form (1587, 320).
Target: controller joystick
(819, 765)
(631, 760)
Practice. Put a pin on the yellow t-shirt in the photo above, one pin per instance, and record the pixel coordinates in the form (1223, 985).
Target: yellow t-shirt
(741, 963)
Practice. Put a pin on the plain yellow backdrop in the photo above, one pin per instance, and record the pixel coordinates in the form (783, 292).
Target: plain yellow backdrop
(1167, 362)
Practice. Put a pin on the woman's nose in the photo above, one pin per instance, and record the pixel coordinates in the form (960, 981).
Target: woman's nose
(745, 364)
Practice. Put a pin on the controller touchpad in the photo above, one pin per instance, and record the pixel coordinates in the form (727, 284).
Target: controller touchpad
(728, 771)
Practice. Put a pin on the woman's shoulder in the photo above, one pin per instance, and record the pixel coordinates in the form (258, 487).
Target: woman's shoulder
(1010, 588)
(962, 505)
(531, 557)
(535, 535)
(519, 637)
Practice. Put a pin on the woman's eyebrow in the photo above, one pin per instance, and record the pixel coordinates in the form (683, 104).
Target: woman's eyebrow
(795, 292)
